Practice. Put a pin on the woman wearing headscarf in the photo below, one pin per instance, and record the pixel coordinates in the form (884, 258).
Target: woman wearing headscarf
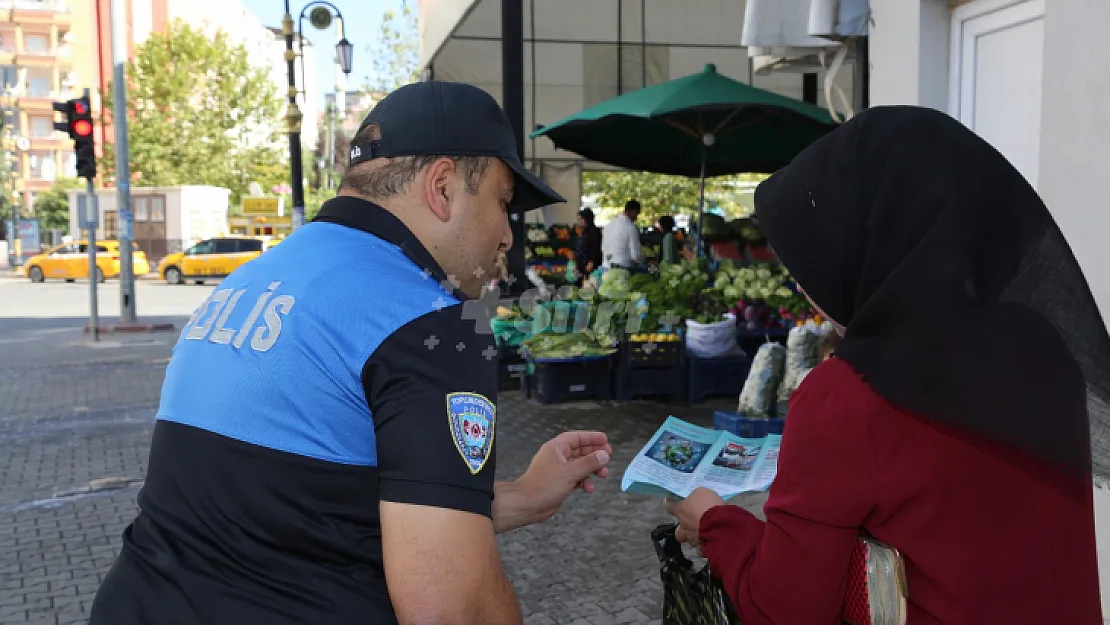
(953, 422)
(587, 255)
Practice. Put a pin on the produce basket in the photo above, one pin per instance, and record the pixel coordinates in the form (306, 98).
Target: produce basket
(707, 377)
(652, 350)
(555, 380)
(545, 251)
(565, 236)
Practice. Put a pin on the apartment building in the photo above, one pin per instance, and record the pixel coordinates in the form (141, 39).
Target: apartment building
(44, 57)
(353, 106)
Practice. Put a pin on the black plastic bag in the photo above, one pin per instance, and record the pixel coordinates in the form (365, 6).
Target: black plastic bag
(690, 597)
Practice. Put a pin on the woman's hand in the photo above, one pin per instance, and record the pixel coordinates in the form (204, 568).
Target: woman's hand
(688, 513)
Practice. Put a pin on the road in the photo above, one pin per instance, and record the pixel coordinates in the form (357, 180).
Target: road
(75, 423)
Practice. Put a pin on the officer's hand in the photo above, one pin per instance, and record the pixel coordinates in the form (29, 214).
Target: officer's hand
(564, 464)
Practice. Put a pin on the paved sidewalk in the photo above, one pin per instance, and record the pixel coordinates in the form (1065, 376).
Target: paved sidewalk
(66, 423)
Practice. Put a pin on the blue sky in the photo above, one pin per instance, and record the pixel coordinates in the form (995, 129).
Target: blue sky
(362, 20)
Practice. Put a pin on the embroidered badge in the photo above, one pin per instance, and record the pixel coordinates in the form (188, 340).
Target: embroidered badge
(472, 418)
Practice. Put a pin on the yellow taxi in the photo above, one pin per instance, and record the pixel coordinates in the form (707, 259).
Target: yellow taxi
(212, 259)
(70, 261)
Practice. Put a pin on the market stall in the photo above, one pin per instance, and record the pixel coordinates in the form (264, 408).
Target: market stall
(679, 331)
(550, 252)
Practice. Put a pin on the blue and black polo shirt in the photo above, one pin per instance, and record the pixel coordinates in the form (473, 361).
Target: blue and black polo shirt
(333, 372)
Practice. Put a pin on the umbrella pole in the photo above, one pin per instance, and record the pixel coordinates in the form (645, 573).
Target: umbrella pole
(701, 202)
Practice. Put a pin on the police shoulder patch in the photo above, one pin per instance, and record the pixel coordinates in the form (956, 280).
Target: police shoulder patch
(472, 418)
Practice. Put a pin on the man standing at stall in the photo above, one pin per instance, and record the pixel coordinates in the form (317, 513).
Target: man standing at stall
(620, 241)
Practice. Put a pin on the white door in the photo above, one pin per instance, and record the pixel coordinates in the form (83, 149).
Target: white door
(997, 63)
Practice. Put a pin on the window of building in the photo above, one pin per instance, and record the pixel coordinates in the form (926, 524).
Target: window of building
(158, 208)
(35, 44)
(149, 208)
(35, 160)
(111, 225)
(42, 165)
(7, 41)
(141, 208)
(9, 76)
(42, 127)
(38, 85)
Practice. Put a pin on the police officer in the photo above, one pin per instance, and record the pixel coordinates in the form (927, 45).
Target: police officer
(324, 447)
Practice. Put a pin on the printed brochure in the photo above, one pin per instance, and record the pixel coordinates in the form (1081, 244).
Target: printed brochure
(681, 457)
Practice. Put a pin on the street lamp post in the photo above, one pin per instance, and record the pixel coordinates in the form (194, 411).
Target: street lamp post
(321, 17)
(7, 120)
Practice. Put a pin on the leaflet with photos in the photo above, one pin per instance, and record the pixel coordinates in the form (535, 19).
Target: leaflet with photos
(681, 456)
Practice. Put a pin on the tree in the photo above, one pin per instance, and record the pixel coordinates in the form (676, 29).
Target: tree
(396, 52)
(660, 194)
(199, 113)
(52, 206)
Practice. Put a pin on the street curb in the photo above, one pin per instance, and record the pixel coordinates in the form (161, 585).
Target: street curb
(132, 328)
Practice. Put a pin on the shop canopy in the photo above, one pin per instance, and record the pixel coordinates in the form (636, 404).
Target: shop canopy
(700, 125)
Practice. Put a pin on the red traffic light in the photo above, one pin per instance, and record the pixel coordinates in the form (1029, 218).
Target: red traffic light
(82, 128)
(80, 108)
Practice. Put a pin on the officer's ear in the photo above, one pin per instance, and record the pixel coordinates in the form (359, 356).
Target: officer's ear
(439, 185)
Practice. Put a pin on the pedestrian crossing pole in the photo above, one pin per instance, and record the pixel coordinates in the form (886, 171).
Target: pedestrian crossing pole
(89, 217)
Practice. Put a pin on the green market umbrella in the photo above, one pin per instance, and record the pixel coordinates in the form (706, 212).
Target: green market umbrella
(701, 125)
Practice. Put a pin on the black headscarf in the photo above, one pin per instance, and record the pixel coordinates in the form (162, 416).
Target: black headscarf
(963, 302)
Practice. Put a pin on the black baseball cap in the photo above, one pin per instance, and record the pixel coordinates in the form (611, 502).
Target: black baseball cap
(449, 119)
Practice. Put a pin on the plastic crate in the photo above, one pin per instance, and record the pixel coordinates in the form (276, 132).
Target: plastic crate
(745, 426)
(571, 379)
(707, 377)
(512, 368)
(634, 382)
(659, 370)
(649, 354)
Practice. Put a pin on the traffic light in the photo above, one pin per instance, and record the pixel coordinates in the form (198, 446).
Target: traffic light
(79, 127)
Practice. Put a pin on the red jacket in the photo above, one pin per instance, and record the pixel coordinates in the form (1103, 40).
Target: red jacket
(990, 536)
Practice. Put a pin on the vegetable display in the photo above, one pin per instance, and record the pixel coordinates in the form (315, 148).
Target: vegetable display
(765, 283)
(552, 345)
(537, 236)
(624, 305)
